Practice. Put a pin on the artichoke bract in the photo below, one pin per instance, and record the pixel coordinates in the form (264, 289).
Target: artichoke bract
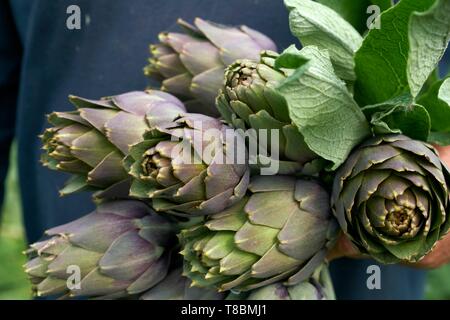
(91, 142)
(191, 64)
(121, 249)
(177, 287)
(391, 197)
(248, 100)
(173, 167)
(317, 287)
(281, 231)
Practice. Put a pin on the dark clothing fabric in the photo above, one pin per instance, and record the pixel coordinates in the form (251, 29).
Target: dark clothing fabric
(42, 62)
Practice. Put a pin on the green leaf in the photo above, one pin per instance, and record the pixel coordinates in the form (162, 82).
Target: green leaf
(322, 108)
(439, 138)
(400, 115)
(387, 57)
(315, 24)
(291, 59)
(437, 102)
(429, 33)
(383, 4)
(412, 121)
(355, 12)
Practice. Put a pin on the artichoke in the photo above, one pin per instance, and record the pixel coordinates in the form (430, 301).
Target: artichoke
(121, 249)
(91, 142)
(191, 64)
(318, 287)
(171, 167)
(177, 287)
(280, 231)
(391, 197)
(248, 100)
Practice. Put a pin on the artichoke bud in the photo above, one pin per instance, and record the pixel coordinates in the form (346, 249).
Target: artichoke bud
(121, 249)
(391, 197)
(249, 101)
(256, 242)
(91, 142)
(186, 170)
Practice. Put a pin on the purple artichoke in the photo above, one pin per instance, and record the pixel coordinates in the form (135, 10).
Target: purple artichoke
(121, 249)
(191, 64)
(91, 142)
(170, 167)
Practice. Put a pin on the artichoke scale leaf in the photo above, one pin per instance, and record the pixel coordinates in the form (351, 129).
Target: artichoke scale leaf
(296, 148)
(141, 189)
(97, 117)
(76, 183)
(392, 187)
(371, 156)
(200, 56)
(271, 209)
(51, 286)
(108, 171)
(205, 86)
(308, 268)
(219, 246)
(237, 262)
(91, 147)
(125, 130)
(367, 243)
(178, 85)
(98, 284)
(231, 219)
(155, 273)
(63, 119)
(256, 239)
(80, 102)
(370, 184)
(273, 263)
(86, 260)
(252, 284)
(409, 250)
(303, 234)
(73, 166)
(128, 257)
(376, 211)
(232, 42)
(312, 197)
(169, 65)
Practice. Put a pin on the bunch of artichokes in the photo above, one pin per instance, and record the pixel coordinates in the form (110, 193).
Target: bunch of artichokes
(241, 234)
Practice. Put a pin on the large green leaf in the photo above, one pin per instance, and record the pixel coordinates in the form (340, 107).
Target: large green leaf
(355, 12)
(316, 24)
(412, 37)
(429, 33)
(321, 106)
(437, 102)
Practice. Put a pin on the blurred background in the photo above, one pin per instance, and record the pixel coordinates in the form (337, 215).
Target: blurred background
(14, 285)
